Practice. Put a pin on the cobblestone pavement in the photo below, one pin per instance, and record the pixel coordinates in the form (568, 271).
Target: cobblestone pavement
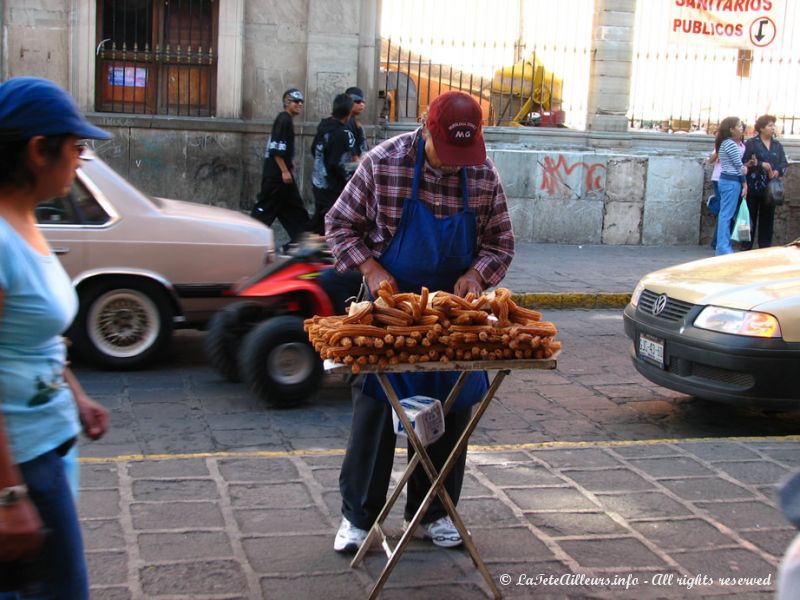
(626, 520)
(584, 482)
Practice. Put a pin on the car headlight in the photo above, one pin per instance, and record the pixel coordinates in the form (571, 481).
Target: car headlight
(637, 293)
(738, 322)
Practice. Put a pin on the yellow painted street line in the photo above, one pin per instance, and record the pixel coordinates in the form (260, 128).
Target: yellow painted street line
(480, 449)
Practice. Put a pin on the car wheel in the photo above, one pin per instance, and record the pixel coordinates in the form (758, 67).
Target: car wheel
(226, 330)
(122, 324)
(278, 362)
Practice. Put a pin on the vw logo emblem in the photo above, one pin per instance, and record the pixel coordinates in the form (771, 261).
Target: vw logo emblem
(660, 304)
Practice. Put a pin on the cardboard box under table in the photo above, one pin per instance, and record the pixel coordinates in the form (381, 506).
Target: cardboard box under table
(501, 369)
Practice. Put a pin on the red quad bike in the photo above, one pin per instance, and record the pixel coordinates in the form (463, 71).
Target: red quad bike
(261, 340)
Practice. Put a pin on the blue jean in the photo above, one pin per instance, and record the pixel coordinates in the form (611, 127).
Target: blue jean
(49, 489)
(729, 192)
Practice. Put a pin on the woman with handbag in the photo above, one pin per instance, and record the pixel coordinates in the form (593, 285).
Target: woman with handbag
(770, 165)
(42, 406)
(732, 183)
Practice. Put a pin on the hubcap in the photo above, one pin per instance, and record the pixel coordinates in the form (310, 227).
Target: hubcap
(123, 323)
(290, 363)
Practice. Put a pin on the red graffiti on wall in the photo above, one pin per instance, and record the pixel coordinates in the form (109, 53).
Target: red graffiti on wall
(554, 175)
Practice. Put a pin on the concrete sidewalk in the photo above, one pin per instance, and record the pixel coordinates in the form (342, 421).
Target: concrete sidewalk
(563, 276)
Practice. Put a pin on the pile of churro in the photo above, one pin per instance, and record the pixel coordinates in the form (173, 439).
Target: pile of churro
(439, 326)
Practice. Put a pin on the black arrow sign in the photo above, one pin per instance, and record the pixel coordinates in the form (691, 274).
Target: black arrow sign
(760, 36)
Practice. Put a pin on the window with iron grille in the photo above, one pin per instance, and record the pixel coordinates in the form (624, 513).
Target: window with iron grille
(157, 56)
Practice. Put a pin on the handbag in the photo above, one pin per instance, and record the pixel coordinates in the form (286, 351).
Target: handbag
(741, 226)
(774, 193)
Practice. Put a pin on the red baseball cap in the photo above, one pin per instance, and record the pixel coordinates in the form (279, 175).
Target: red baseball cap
(454, 122)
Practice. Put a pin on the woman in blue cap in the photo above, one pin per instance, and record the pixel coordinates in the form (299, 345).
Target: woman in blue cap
(42, 405)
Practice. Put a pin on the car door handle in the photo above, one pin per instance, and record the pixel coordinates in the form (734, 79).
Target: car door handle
(58, 251)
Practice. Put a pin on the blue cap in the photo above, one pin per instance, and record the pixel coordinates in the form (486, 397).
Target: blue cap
(31, 106)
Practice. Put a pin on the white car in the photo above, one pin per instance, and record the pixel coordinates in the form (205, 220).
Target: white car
(143, 266)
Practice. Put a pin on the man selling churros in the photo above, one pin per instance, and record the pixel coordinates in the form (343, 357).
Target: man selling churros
(425, 209)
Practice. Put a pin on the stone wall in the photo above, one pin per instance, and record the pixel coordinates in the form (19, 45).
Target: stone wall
(570, 196)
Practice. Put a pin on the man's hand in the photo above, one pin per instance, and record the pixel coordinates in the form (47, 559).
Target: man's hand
(470, 281)
(766, 166)
(20, 530)
(286, 177)
(375, 274)
(94, 417)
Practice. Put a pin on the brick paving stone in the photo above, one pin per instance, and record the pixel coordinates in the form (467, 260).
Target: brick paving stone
(645, 451)
(429, 565)
(507, 543)
(705, 488)
(163, 490)
(273, 555)
(107, 568)
(608, 553)
(255, 440)
(111, 593)
(268, 495)
(281, 520)
(189, 467)
(99, 503)
(775, 541)
(472, 487)
(577, 458)
(255, 469)
(175, 515)
(520, 474)
(440, 592)
(549, 498)
(677, 534)
(498, 458)
(485, 512)
(724, 562)
(170, 546)
(755, 472)
(669, 467)
(337, 586)
(788, 456)
(563, 524)
(102, 534)
(608, 480)
(717, 451)
(643, 505)
(201, 577)
(102, 475)
(327, 478)
(744, 515)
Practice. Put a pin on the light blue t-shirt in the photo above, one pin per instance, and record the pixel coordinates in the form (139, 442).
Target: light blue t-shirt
(40, 303)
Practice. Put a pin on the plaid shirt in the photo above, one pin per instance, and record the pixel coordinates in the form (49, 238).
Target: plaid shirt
(364, 219)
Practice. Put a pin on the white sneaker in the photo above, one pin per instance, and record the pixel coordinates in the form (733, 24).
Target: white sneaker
(349, 537)
(442, 532)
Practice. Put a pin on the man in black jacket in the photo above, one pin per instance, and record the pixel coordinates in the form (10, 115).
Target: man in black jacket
(354, 123)
(333, 149)
(279, 197)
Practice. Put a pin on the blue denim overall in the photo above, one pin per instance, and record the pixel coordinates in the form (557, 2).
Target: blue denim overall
(431, 252)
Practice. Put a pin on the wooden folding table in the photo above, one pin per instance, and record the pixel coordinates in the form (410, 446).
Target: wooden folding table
(501, 368)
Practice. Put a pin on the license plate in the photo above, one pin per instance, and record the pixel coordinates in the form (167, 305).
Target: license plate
(652, 349)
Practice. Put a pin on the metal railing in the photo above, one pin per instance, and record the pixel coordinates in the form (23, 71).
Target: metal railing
(157, 57)
(691, 88)
(524, 72)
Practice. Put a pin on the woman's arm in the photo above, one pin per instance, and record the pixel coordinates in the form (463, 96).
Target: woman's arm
(20, 525)
(94, 418)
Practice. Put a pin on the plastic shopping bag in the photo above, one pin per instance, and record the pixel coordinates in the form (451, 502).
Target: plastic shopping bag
(741, 226)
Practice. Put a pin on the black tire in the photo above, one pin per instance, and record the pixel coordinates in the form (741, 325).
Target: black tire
(122, 323)
(226, 330)
(278, 363)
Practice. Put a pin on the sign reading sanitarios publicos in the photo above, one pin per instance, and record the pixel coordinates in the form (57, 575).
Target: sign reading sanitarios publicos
(732, 23)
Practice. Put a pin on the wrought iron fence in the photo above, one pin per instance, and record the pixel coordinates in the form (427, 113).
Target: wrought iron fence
(157, 57)
(523, 69)
(687, 88)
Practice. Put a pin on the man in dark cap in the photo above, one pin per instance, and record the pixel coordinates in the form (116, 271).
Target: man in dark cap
(279, 197)
(354, 123)
(425, 208)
